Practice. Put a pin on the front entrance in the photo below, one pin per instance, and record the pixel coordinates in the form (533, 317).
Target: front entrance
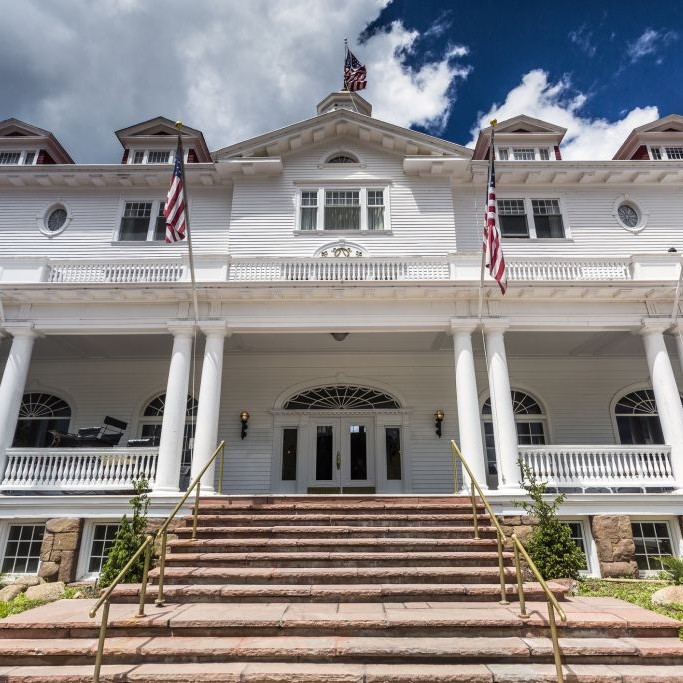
(341, 456)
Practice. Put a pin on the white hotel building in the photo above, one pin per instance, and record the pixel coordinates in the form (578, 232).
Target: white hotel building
(337, 265)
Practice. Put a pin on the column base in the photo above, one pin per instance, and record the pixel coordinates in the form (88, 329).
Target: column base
(165, 491)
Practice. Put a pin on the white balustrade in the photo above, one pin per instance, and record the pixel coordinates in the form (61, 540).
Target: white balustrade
(568, 270)
(110, 272)
(78, 469)
(601, 466)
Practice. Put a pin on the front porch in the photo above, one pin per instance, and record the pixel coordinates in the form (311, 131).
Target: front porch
(566, 391)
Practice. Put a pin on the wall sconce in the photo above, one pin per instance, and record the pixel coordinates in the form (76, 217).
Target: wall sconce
(244, 419)
(438, 417)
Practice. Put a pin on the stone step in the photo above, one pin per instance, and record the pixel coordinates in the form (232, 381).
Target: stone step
(329, 507)
(341, 531)
(329, 559)
(330, 575)
(278, 672)
(363, 545)
(346, 519)
(339, 650)
(352, 593)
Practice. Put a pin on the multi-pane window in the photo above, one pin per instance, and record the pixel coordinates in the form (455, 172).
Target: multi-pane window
(638, 419)
(29, 158)
(523, 153)
(670, 153)
(656, 153)
(503, 154)
(375, 210)
(22, 552)
(513, 222)
(578, 538)
(652, 539)
(547, 218)
(309, 210)
(674, 152)
(102, 541)
(143, 221)
(342, 210)
(40, 416)
(158, 156)
(139, 157)
(9, 158)
(544, 154)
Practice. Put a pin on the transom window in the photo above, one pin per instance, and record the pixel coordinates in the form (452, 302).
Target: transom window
(546, 218)
(342, 397)
(102, 541)
(143, 221)
(343, 209)
(39, 415)
(637, 418)
(22, 552)
(652, 539)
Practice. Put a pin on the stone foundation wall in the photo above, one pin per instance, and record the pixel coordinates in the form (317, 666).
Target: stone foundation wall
(59, 552)
(522, 525)
(614, 543)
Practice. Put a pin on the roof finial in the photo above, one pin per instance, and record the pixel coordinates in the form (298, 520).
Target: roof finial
(178, 124)
(493, 122)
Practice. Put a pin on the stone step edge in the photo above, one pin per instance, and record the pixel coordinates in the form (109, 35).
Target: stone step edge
(344, 673)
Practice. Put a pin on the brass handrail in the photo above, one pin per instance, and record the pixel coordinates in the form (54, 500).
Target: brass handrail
(553, 604)
(146, 547)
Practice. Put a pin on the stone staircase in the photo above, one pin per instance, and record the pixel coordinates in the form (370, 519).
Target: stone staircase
(339, 589)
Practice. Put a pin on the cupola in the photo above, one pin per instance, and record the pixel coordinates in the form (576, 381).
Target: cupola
(345, 100)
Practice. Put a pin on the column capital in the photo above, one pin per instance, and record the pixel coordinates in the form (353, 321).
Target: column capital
(467, 325)
(654, 326)
(495, 325)
(181, 328)
(215, 328)
(23, 329)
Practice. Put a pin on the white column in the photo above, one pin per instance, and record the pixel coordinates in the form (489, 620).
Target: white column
(666, 392)
(469, 420)
(678, 335)
(12, 386)
(175, 409)
(503, 416)
(206, 430)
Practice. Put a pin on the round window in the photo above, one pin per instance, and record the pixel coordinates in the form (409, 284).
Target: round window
(628, 215)
(56, 219)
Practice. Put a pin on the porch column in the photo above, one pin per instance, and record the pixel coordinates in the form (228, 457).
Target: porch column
(678, 336)
(12, 386)
(206, 430)
(665, 390)
(175, 409)
(502, 413)
(469, 422)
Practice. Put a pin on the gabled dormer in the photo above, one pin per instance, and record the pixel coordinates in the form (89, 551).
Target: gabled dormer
(660, 140)
(22, 144)
(522, 138)
(155, 141)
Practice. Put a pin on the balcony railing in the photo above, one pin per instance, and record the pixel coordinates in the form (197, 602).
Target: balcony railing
(78, 469)
(113, 272)
(568, 270)
(611, 467)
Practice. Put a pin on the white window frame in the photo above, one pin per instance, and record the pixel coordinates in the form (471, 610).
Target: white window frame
(146, 151)
(510, 149)
(662, 151)
(674, 536)
(592, 559)
(528, 207)
(150, 227)
(87, 538)
(363, 199)
(22, 156)
(4, 537)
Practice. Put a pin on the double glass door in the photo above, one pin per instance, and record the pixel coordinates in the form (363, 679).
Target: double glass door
(342, 453)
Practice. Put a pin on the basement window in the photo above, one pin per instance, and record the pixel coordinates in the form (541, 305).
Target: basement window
(652, 539)
(22, 551)
(102, 541)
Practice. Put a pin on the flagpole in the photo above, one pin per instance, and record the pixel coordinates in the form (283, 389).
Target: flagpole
(195, 304)
(492, 151)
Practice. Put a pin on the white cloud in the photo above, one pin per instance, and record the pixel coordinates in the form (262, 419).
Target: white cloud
(231, 68)
(582, 37)
(650, 42)
(558, 103)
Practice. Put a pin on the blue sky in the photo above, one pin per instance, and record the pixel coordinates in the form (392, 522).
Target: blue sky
(236, 69)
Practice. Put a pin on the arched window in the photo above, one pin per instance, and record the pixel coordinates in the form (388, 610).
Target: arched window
(150, 425)
(39, 415)
(341, 397)
(342, 158)
(529, 420)
(637, 418)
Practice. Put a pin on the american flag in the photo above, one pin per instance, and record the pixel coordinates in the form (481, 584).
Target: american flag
(355, 73)
(495, 261)
(175, 206)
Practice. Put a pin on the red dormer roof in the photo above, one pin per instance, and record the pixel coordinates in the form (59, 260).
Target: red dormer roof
(521, 130)
(15, 133)
(665, 130)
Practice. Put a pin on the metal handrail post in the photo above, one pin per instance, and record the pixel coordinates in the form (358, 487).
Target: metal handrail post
(501, 571)
(220, 470)
(159, 602)
(196, 511)
(520, 584)
(557, 653)
(145, 576)
(474, 513)
(100, 642)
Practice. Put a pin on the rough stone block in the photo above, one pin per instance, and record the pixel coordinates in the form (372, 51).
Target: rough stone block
(27, 581)
(671, 595)
(66, 541)
(67, 566)
(46, 591)
(48, 570)
(619, 569)
(10, 592)
(46, 547)
(63, 525)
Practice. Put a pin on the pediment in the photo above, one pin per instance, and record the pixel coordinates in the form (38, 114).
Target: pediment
(526, 124)
(14, 128)
(669, 124)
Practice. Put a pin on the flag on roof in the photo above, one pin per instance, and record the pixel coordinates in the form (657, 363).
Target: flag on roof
(355, 74)
(176, 205)
(493, 253)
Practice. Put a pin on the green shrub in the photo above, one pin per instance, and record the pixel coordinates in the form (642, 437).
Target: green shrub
(551, 545)
(673, 568)
(129, 537)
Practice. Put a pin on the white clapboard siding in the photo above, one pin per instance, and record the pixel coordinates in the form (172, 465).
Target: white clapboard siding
(95, 218)
(589, 213)
(263, 211)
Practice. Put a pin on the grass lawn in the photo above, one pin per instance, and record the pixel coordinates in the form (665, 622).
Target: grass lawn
(637, 592)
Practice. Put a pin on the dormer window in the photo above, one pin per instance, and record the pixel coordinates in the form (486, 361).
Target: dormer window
(523, 153)
(342, 158)
(17, 158)
(666, 153)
